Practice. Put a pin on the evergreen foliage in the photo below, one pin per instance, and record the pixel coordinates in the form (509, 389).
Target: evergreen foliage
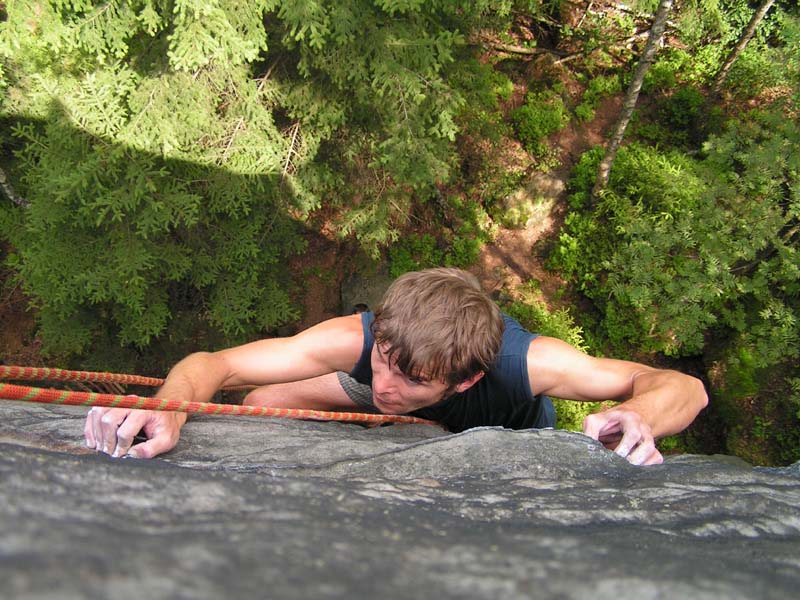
(172, 150)
(680, 246)
(683, 251)
(458, 245)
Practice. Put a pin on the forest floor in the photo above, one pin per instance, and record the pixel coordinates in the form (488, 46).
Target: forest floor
(515, 256)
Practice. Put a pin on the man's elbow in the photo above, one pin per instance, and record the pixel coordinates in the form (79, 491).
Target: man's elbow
(195, 356)
(202, 365)
(698, 394)
(690, 400)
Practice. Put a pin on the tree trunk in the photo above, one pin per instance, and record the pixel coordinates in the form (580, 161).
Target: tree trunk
(632, 95)
(8, 190)
(747, 34)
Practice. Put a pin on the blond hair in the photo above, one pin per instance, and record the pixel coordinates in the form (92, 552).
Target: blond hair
(438, 324)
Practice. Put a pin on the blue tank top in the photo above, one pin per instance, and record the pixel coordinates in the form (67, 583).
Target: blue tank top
(502, 397)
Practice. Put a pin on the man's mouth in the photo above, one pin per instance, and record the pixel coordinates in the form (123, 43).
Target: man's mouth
(387, 406)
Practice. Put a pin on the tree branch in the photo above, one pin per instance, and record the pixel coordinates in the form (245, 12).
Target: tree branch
(512, 49)
(295, 129)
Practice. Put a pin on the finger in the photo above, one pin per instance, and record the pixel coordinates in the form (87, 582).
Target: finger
(629, 441)
(591, 427)
(635, 433)
(161, 442)
(600, 425)
(96, 415)
(655, 459)
(109, 423)
(643, 452)
(128, 429)
(88, 429)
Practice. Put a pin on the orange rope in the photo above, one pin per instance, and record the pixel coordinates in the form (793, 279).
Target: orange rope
(46, 374)
(72, 398)
(54, 374)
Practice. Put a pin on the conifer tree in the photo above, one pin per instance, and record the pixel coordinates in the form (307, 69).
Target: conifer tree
(172, 150)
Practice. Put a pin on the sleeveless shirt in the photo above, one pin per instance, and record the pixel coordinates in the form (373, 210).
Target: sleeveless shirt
(502, 397)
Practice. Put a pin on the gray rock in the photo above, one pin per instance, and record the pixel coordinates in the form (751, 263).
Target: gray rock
(247, 507)
(365, 287)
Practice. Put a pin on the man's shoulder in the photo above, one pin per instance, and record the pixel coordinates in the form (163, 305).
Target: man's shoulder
(511, 361)
(510, 323)
(339, 331)
(339, 340)
(515, 336)
(345, 323)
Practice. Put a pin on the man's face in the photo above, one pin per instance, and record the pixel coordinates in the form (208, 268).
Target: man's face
(395, 393)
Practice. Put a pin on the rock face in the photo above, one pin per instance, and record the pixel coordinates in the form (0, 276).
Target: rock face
(365, 287)
(265, 508)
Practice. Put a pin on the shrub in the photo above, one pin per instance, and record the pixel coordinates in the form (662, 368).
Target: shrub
(412, 253)
(685, 119)
(542, 114)
(481, 86)
(598, 88)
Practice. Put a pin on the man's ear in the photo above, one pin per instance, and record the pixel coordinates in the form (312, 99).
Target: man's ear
(468, 383)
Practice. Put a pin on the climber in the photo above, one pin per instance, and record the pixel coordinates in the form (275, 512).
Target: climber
(437, 347)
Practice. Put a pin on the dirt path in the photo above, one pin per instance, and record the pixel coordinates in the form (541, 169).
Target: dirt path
(516, 255)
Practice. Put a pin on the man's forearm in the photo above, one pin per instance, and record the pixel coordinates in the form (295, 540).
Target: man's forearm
(667, 400)
(196, 378)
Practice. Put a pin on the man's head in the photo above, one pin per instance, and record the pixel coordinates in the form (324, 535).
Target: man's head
(438, 325)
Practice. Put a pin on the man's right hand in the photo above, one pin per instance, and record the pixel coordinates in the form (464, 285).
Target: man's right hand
(330, 346)
(112, 430)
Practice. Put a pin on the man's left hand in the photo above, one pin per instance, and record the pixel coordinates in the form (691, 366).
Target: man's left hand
(625, 432)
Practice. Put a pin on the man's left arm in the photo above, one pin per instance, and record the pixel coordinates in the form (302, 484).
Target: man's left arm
(654, 402)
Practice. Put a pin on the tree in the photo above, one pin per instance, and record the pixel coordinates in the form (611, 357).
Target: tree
(174, 152)
(632, 95)
(678, 247)
(747, 35)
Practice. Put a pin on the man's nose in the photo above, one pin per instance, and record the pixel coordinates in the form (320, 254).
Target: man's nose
(383, 383)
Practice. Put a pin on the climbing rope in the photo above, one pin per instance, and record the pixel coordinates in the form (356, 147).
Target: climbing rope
(53, 374)
(46, 374)
(68, 397)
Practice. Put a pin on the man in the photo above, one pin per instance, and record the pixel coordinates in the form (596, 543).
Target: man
(437, 347)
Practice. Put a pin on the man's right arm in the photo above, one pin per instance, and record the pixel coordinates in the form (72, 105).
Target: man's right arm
(113, 430)
(332, 345)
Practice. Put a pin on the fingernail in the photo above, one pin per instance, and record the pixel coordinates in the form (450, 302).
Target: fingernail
(89, 444)
(131, 454)
(622, 450)
(97, 446)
